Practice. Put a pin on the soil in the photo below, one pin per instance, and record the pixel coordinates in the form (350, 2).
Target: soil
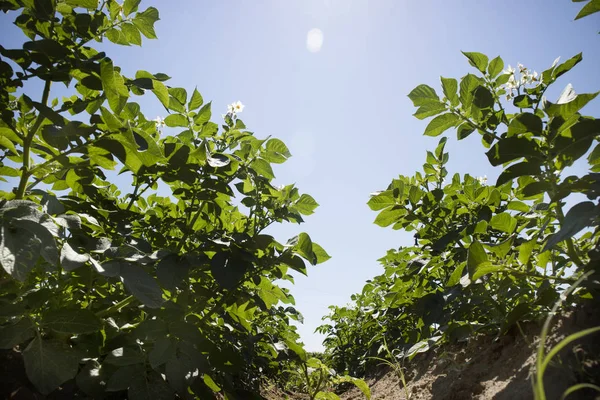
(497, 368)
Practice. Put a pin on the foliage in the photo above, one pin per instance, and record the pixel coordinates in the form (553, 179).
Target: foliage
(591, 7)
(543, 360)
(316, 379)
(167, 288)
(484, 256)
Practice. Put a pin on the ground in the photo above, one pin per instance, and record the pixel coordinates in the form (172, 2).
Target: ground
(497, 368)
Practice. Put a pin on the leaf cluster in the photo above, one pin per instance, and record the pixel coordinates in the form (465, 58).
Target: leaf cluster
(164, 290)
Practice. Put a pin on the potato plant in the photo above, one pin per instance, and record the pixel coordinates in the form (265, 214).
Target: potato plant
(151, 293)
(485, 256)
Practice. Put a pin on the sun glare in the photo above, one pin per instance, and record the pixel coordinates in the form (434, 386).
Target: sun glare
(314, 40)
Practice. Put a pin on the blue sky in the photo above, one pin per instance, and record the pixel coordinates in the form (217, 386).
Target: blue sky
(343, 111)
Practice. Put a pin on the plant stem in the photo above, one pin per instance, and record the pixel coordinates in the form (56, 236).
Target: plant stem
(190, 227)
(474, 125)
(116, 307)
(571, 251)
(27, 145)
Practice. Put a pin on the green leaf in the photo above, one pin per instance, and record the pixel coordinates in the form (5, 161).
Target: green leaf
(151, 330)
(304, 248)
(381, 200)
(149, 386)
(163, 351)
(389, 216)
(496, 66)
(441, 123)
(450, 88)
(483, 98)
(501, 249)
(117, 36)
(121, 379)
(145, 20)
(179, 94)
(468, 84)
(504, 222)
(19, 251)
(17, 333)
(48, 248)
(566, 66)
(132, 34)
(476, 258)
(208, 381)
(70, 259)
(520, 169)
(579, 217)
(89, 4)
(464, 130)
(525, 122)
(92, 378)
(536, 188)
(130, 6)
(326, 396)
(439, 150)
(512, 148)
(270, 294)
(518, 206)
(228, 270)
(276, 151)
(196, 101)
(456, 275)
(590, 8)
(262, 168)
(141, 285)
(175, 372)
(320, 253)
(484, 269)
(72, 321)
(478, 60)
(523, 101)
(422, 95)
(525, 250)
(566, 110)
(49, 364)
(123, 356)
(305, 205)
(110, 120)
(218, 160)
(114, 86)
(429, 110)
(174, 120)
(171, 271)
(421, 347)
(203, 115)
(161, 92)
(361, 385)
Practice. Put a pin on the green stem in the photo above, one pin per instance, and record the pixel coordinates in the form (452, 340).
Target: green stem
(571, 251)
(190, 227)
(307, 381)
(474, 125)
(116, 307)
(134, 194)
(555, 278)
(318, 387)
(27, 145)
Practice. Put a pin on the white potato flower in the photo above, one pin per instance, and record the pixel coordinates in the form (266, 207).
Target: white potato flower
(160, 123)
(238, 107)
